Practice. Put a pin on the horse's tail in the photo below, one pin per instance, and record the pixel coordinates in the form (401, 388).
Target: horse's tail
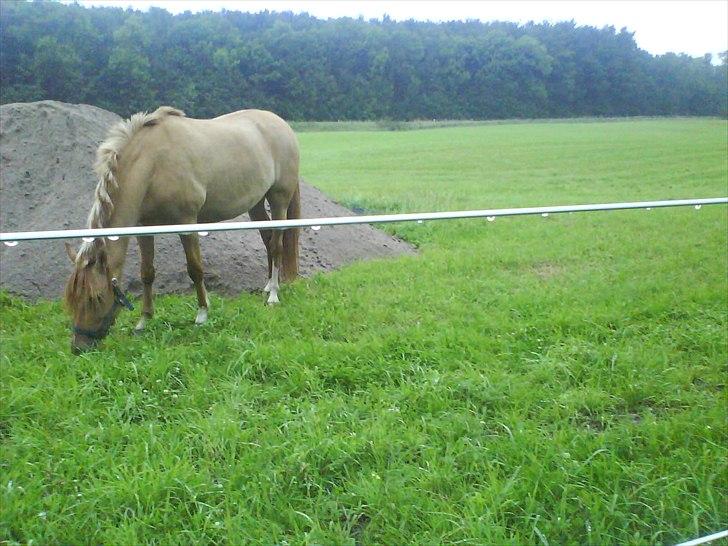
(289, 267)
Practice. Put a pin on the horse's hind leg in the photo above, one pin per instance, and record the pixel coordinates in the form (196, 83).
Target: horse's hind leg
(278, 208)
(259, 214)
(191, 244)
(146, 251)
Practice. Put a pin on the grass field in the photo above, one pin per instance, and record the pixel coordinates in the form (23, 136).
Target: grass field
(533, 380)
(393, 125)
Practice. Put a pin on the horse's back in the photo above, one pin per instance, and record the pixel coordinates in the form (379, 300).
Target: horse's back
(221, 166)
(268, 121)
(276, 132)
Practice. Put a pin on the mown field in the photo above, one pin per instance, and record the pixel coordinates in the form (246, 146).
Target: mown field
(532, 380)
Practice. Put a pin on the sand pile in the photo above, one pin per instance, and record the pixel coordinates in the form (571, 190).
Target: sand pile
(47, 150)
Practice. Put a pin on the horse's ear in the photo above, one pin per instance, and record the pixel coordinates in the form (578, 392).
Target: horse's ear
(71, 253)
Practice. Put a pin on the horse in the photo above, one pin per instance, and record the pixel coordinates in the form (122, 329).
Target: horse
(166, 168)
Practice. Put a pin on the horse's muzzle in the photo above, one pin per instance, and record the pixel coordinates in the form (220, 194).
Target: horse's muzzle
(81, 344)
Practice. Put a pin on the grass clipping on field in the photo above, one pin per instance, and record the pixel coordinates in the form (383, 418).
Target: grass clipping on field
(47, 151)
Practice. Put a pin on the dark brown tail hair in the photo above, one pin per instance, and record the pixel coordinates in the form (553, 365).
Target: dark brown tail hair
(289, 267)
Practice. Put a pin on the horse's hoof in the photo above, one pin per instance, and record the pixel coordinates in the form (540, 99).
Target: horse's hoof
(273, 299)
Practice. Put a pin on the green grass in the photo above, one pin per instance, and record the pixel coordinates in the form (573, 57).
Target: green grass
(523, 381)
(386, 125)
(397, 125)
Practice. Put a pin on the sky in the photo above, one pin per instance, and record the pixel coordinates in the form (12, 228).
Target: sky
(694, 27)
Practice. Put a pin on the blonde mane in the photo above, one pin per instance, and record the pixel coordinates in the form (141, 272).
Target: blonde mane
(107, 159)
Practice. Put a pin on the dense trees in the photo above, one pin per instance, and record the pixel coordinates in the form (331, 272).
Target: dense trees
(305, 68)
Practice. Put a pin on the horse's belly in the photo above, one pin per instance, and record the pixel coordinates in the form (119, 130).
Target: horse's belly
(220, 213)
(227, 203)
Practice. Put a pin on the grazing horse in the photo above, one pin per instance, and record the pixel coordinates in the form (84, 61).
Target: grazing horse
(166, 168)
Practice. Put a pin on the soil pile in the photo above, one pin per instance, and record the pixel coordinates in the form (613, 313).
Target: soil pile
(47, 151)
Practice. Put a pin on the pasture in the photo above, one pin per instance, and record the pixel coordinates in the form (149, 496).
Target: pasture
(531, 380)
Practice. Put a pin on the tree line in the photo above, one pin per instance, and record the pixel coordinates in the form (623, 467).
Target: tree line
(305, 68)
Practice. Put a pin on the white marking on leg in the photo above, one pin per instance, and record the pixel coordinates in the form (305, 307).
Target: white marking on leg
(141, 324)
(273, 286)
(201, 316)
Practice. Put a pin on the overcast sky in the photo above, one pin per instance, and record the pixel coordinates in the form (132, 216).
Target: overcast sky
(694, 27)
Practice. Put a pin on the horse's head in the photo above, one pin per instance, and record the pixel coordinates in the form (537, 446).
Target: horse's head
(92, 296)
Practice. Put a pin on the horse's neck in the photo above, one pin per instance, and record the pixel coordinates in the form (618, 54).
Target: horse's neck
(127, 206)
(116, 252)
(125, 214)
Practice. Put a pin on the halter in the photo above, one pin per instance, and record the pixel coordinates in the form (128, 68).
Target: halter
(120, 300)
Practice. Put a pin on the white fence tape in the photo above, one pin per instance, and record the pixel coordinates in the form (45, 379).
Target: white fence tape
(12, 238)
(705, 539)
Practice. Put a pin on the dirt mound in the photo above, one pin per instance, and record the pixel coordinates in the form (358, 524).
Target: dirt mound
(47, 150)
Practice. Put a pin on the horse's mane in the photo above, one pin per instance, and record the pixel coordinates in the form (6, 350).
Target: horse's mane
(83, 287)
(107, 159)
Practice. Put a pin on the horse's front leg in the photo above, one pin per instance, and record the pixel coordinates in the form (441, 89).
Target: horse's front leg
(191, 244)
(146, 251)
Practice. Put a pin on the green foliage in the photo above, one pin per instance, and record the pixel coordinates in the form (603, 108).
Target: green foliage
(51, 59)
(553, 380)
(309, 69)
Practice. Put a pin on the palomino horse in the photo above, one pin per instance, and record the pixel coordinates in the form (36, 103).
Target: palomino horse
(165, 168)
